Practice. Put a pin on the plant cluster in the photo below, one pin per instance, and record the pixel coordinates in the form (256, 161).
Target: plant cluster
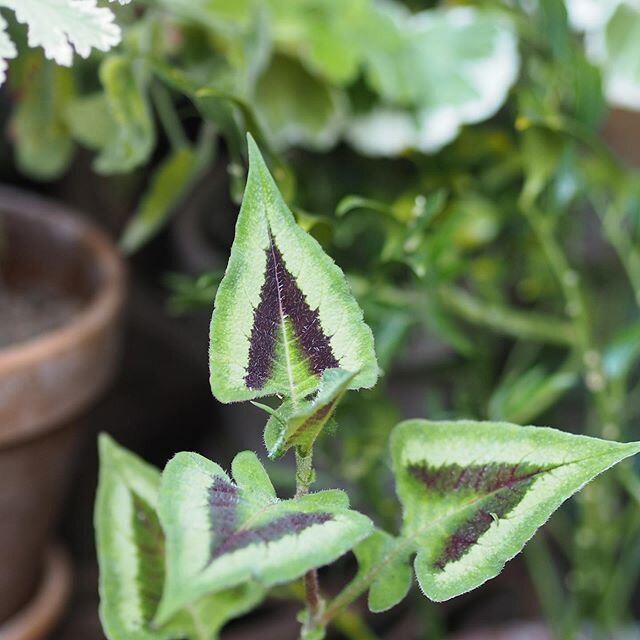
(183, 552)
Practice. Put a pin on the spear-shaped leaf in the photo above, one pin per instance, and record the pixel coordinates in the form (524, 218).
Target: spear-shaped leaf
(284, 312)
(473, 493)
(299, 425)
(131, 550)
(222, 533)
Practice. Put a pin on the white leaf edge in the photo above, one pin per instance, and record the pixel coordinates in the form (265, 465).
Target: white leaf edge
(389, 131)
(7, 49)
(61, 27)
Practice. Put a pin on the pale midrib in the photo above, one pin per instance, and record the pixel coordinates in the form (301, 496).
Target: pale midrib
(283, 316)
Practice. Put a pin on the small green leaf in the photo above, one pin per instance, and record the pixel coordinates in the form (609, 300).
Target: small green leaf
(169, 184)
(522, 397)
(221, 533)
(283, 312)
(622, 353)
(131, 548)
(380, 553)
(297, 107)
(300, 425)
(125, 83)
(473, 493)
(89, 120)
(43, 145)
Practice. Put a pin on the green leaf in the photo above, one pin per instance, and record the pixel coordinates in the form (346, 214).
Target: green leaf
(130, 544)
(169, 184)
(622, 352)
(299, 425)
(125, 83)
(473, 493)
(380, 554)
(221, 533)
(522, 397)
(131, 548)
(425, 104)
(89, 120)
(283, 312)
(297, 107)
(614, 48)
(43, 146)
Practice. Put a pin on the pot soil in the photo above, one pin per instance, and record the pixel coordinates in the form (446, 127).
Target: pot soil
(62, 292)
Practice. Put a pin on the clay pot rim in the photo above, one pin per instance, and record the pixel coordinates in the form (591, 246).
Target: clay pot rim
(103, 305)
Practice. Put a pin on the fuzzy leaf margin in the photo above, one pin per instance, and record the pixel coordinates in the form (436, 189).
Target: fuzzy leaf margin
(283, 313)
(474, 493)
(222, 533)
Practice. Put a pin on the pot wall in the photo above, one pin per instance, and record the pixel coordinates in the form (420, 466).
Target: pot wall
(48, 382)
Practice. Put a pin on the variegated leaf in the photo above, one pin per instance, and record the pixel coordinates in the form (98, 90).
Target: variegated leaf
(474, 493)
(131, 548)
(283, 312)
(299, 425)
(222, 532)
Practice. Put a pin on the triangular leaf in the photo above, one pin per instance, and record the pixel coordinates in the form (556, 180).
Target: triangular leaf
(129, 542)
(473, 493)
(299, 426)
(222, 533)
(283, 312)
(131, 548)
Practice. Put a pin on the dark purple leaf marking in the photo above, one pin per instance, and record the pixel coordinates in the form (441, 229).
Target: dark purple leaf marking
(149, 542)
(280, 296)
(292, 523)
(312, 421)
(223, 507)
(499, 488)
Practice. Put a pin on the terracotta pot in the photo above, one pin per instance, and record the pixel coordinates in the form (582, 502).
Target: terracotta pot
(48, 381)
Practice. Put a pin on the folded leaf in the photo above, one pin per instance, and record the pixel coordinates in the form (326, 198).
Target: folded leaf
(283, 312)
(473, 493)
(131, 549)
(299, 426)
(222, 533)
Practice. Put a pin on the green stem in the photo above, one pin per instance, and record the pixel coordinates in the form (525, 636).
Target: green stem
(313, 597)
(168, 116)
(520, 324)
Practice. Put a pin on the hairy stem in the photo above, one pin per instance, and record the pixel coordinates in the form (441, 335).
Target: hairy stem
(313, 597)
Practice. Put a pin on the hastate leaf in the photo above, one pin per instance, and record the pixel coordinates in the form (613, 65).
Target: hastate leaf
(300, 425)
(473, 493)
(131, 553)
(283, 312)
(222, 533)
(130, 544)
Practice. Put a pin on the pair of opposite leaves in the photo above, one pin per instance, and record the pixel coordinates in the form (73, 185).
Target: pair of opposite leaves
(285, 323)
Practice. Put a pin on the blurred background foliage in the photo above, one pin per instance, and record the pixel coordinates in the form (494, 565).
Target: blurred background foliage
(470, 165)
